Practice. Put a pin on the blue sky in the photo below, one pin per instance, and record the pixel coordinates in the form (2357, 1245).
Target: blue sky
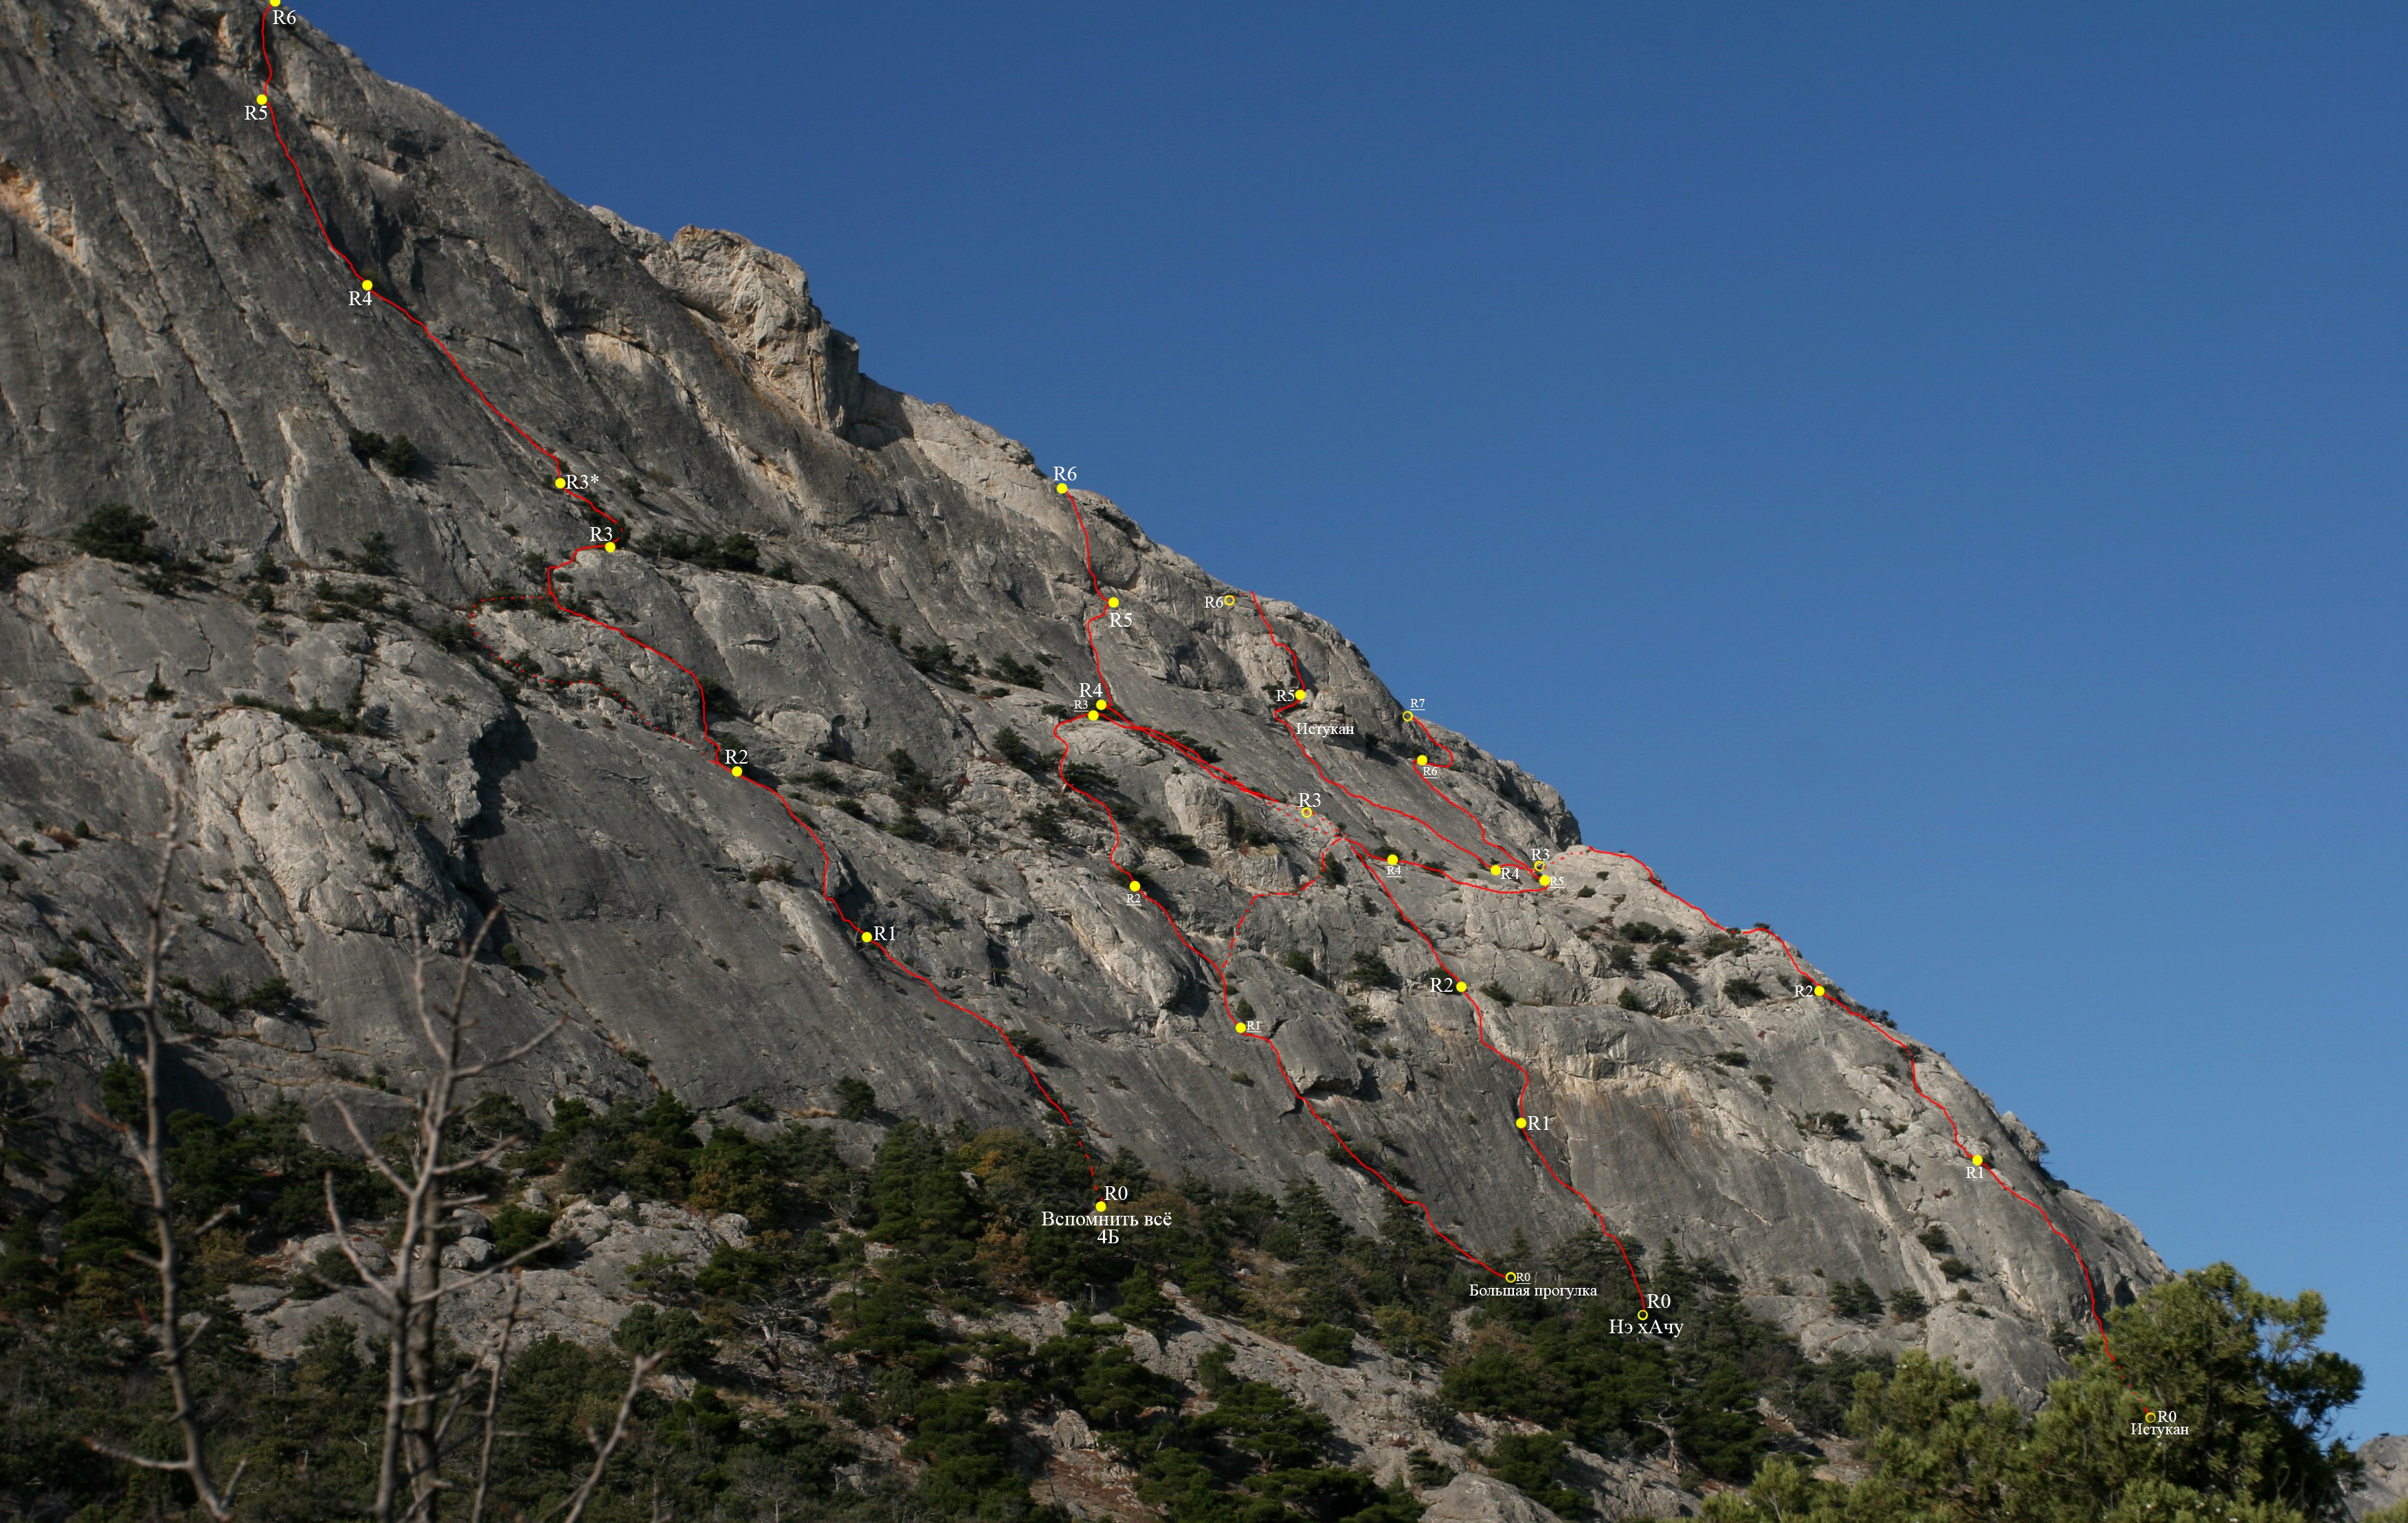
(1928, 478)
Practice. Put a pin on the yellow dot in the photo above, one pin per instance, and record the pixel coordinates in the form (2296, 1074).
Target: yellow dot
(1392, 859)
(1301, 695)
(1544, 880)
(738, 772)
(1407, 718)
(262, 100)
(1818, 991)
(1099, 1205)
(1241, 1028)
(1495, 870)
(1643, 1313)
(1059, 487)
(367, 285)
(1461, 988)
(1977, 1160)
(1112, 602)
(560, 483)
(1095, 714)
(1521, 1123)
(1308, 812)
(1421, 761)
(1101, 704)
(866, 937)
(1133, 887)
(611, 545)
(273, 2)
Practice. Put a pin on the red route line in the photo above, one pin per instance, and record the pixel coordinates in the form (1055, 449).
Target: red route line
(1296, 668)
(827, 860)
(1914, 1075)
(1479, 1016)
(1221, 968)
(1086, 544)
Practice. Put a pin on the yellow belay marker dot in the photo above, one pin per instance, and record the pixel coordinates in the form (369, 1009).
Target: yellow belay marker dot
(867, 937)
(1522, 1122)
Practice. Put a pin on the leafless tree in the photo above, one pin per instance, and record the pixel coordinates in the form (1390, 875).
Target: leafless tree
(606, 1446)
(424, 1401)
(770, 1319)
(149, 1146)
(501, 1362)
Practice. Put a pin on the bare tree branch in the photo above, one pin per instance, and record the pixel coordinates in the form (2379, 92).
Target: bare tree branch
(493, 1404)
(149, 1154)
(603, 1448)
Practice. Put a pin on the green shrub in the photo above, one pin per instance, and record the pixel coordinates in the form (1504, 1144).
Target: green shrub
(1956, 1267)
(1629, 1000)
(399, 456)
(115, 532)
(855, 1099)
(677, 1334)
(736, 552)
(518, 1229)
(1529, 1462)
(1856, 1299)
(1908, 1305)
(1371, 970)
(1017, 752)
(1934, 1237)
(1330, 1345)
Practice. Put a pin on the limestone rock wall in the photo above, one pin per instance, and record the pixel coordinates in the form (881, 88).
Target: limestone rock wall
(358, 779)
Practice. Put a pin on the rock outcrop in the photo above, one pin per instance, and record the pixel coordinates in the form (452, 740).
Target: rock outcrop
(389, 729)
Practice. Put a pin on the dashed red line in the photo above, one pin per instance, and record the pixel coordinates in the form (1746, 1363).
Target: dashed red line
(827, 860)
(1497, 855)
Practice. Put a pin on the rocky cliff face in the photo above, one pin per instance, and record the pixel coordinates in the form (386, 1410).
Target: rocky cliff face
(402, 729)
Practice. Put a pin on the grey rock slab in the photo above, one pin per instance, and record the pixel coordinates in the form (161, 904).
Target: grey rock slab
(186, 345)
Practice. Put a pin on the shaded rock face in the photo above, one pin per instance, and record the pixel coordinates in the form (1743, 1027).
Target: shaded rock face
(2385, 1482)
(181, 341)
